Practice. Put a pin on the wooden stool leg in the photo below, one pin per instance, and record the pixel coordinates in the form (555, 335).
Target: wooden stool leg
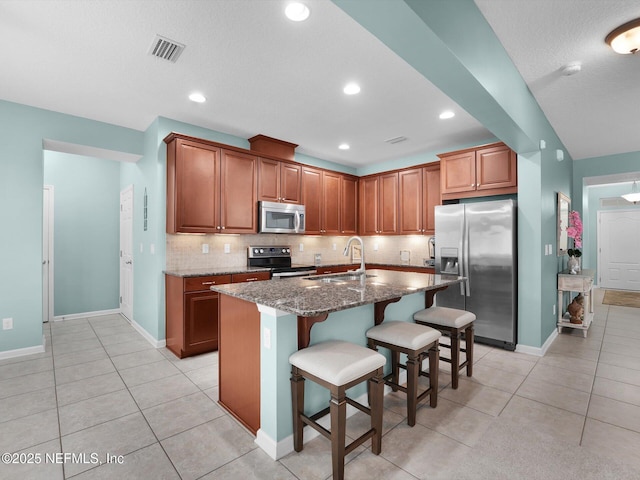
(338, 412)
(468, 337)
(413, 370)
(376, 399)
(395, 368)
(297, 400)
(434, 365)
(455, 357)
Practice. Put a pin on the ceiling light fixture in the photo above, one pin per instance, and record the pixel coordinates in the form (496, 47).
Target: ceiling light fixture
(344, 146)
(634, 196)
(626, 38)
(447, 114)
(351, 88)
(197, 97)
(297, 12)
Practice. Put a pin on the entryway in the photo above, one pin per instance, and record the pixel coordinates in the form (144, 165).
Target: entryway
(126, 252)
(47, 253)
(618, 253)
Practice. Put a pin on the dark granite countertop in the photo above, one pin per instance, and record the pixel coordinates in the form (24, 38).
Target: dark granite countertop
(304, 297)
(203, 272)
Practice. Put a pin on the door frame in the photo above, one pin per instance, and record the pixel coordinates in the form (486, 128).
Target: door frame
(120, 257)
(48, 215)
(599, 232)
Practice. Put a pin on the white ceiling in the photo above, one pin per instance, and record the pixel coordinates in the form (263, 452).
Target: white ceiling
(263, 74)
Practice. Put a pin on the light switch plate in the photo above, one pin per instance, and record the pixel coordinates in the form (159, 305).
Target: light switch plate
(301, 247)
(7, 323)
(227, 248)
(152, 249)
(205, 248)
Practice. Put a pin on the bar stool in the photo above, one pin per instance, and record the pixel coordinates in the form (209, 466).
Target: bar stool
(338, 366)
(454, 323)
(416, 341)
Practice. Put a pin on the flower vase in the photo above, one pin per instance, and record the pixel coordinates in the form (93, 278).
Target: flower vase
(573, 265)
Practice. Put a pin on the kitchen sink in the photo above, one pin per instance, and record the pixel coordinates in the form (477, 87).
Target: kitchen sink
(341, 278)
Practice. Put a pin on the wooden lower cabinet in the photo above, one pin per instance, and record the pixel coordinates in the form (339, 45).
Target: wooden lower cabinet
(239, 360)
(192, 314)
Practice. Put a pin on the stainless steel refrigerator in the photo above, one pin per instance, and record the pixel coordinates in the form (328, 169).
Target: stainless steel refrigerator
(478, 241)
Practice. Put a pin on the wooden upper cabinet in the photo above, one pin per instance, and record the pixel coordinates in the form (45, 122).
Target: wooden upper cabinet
(388, 206)
(378, 206)
(349, 200)
(411, 205)
(331, 205)
(209, 189)
(238, 203)
(368, 205)
(477, 172)
(193, 187)
(279, 181)
(311, 199)
(430, 196)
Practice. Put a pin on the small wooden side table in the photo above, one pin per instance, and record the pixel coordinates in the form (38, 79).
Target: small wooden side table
(581, 282)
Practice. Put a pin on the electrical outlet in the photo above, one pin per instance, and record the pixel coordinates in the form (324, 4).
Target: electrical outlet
(227, 248)
(141, 248)
(334, 246)
(205, 248)
(7, 323)
(375, 247)
(301, 247)
(554, 308)
(152, 249)
(267, 338)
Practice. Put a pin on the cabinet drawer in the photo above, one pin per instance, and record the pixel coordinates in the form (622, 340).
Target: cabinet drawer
(574, 283)
(195, 284)
(250, 277)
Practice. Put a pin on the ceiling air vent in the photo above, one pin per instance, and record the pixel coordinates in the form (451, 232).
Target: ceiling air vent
(165, 48)
(396, 140)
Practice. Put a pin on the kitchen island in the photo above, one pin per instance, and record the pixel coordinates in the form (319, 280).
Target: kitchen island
(263, 323)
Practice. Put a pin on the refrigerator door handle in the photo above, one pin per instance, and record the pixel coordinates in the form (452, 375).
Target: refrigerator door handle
(465, 257)
(462, 259)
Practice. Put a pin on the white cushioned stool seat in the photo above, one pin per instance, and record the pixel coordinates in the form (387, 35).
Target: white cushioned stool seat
(447, 317)
(337, 362)
(404, 334)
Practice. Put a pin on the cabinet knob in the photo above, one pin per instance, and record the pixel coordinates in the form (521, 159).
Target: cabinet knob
(222, 228)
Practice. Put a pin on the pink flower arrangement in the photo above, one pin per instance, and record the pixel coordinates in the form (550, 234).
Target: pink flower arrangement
(574, 230)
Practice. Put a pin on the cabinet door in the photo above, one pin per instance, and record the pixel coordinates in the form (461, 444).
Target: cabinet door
(388, 203)
(268, 180)
(290, 183)
(349, 201)
(201, 322)
(311, 199)
(496, 168)
(458, 172)
(430, 196)
(331, 207)
(238, 202)
(410, 202)
(195, 203)
(368, 205)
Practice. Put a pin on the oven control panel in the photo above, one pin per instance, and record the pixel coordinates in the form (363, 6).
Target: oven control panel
(269, 251)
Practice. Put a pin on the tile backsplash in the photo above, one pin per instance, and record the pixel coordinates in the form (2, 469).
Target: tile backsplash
(184, 251)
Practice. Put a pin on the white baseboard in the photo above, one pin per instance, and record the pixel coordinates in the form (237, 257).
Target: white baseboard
(75, 316)
(147, 336)
(538, 352)
(20, 352)
(277, 450)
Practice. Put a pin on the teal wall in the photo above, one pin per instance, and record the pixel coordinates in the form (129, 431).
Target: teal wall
(22, 131)
(86, 232)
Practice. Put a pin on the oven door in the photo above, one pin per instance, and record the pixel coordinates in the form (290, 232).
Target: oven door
(281, 218)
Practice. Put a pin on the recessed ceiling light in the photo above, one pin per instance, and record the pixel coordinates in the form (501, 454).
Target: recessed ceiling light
(351, 88)
(197, 97)
(344, 146)
(297, 11)
(447, 114)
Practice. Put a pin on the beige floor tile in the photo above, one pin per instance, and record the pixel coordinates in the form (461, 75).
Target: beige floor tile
(563, 361)
(25, 404)
(616, 443)
(108, 320)
(85, 370)
(205, 377)
(421, 451)
(617, 413)
(622, 332)
(253, 465)
(359, 423)
(148, 462)
(13, 370)
(458, 422)
(621, 374)
(93, 411)
(611, 340)
(71, 347)
(44, 470)
(623, 392)
(620, 360)
(88, 388)
(59, 339)
(119, 338)
(555, 395)
(135, 359)
(204, 448)
(107, 330)
(28, 431)
(81, 357)
(147, 373)
(176, 416)
(198, 361)
(562, 376)
(503, 362)
(493, 377)
(471, 394)
(619, 349)
(374, 467)
(131, 346)
(117, 437)
(162, 390)
(26, 383)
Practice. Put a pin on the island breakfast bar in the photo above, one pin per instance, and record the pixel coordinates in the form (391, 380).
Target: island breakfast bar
(262, 323)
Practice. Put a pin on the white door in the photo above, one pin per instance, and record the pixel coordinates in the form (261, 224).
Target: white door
(618, 254)
(126, 252)
(47, 253)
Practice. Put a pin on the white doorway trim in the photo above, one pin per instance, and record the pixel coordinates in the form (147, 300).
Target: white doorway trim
(618, 258)
(47, 253)
(126, 252)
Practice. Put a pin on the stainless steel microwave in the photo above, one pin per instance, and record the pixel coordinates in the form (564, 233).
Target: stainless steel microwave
(281, 217)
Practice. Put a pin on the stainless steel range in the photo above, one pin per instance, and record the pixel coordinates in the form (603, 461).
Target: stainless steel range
(278, 258)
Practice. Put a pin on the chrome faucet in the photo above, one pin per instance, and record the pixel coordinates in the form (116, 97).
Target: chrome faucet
(361, 270)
